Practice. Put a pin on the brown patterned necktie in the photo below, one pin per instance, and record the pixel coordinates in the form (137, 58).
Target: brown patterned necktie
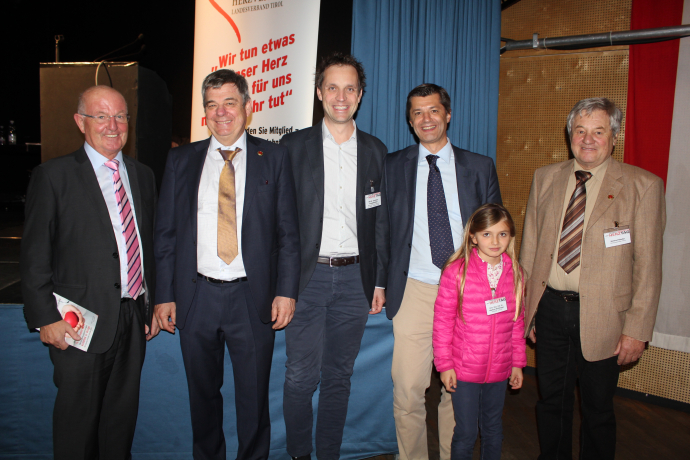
(227, 216)
(573, 225)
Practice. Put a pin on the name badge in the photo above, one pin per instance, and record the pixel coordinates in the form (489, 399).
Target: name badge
(494, 306)
(617, 236)
(372, 200)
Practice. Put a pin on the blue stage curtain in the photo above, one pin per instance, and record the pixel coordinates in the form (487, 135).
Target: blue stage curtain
(454, 44)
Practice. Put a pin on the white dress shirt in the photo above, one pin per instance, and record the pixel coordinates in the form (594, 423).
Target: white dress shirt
(339, 235)
(421, 267)
(105, 181)
(208, 262)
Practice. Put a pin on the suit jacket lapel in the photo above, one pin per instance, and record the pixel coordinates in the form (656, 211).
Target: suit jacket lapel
(196, 166)
(463, 178)
(93, 190)
(559, 186)
(314, 145)
(411, 178)
(364, 155)
(252, 176)
(610, 186)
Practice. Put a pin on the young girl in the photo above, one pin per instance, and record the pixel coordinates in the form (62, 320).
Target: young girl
(478, 330)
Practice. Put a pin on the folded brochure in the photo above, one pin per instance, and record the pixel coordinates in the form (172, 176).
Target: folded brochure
(90, 318)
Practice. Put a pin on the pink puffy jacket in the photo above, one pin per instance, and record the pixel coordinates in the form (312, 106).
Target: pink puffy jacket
(484, 348)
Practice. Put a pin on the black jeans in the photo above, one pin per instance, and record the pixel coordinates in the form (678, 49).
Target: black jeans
(559, 364)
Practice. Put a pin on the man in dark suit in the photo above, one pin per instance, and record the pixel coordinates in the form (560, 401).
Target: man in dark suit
(430, 182)
(86, 240)
(227, 248)
(337, 171)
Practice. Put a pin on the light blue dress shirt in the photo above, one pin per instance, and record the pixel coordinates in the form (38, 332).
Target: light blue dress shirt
(105, 181)
(421, 267)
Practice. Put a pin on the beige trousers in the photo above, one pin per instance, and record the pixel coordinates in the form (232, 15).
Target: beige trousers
(413, 358)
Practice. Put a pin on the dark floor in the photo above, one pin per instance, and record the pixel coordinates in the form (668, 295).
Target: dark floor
(645, 431)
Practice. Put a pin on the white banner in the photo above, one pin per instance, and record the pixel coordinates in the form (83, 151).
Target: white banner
(271, 43)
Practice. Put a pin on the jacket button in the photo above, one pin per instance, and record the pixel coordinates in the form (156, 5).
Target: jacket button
(317, 245)
(115, 255)
(193, 280)
(195, 243)
(543, 283)
(405, 273)
(551, 256)
(117, 285)
(409, 245)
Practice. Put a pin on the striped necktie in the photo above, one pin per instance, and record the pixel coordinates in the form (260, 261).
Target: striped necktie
(573, 225)
(129, 231)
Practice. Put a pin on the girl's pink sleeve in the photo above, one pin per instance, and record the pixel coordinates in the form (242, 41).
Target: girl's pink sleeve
(518, 339)
(445, 312)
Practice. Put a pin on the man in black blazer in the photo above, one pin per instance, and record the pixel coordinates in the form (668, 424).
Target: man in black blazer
(337, 170)
(74, 245)
(225, 273)
(438, 179)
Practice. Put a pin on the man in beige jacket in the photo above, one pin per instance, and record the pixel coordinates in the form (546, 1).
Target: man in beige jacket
(592, 284)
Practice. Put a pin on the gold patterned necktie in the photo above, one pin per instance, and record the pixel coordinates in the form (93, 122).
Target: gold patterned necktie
(227, 216)
(573, 225)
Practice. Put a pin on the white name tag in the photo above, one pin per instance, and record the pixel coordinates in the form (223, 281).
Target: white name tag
(617, 236)
(494, 306)
(372, 200)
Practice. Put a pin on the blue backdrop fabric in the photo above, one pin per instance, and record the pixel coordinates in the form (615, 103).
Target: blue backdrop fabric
(454, 44)
(163, 429)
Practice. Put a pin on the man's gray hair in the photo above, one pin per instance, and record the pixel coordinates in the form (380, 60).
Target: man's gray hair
(221, 77)
(596, 103)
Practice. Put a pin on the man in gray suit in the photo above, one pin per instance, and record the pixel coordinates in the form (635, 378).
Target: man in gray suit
(337, 170)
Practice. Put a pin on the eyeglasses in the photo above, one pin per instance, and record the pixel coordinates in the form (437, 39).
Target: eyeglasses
(102, 119)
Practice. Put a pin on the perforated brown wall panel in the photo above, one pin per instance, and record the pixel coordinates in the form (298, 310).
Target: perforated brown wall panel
(560, 18)
(536, 95)
(537, 90)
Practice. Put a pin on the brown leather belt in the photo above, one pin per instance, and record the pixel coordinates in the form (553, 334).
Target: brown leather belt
(568, 296)
(215, 281)
(338, 261)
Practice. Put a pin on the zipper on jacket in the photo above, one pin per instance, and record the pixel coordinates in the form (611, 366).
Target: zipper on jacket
(493, 329)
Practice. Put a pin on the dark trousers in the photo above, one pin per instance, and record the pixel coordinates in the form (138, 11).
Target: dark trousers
(478, 407)
(322, 342)
(559, 364)
(98, 393)
(221, 316)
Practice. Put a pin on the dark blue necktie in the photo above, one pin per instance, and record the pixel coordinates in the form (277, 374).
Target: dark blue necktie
(440, 236)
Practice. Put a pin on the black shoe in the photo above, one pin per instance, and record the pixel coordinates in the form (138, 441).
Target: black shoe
(303, 457)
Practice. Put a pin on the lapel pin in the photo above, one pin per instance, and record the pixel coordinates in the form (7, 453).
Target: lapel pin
(610, 197)
(260, 153)
(266, 182)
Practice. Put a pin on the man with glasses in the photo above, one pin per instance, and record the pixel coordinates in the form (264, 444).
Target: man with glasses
(88, 237)
(228, 259)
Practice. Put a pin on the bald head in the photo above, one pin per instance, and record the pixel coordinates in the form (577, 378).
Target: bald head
(102, 117)
(95, 91)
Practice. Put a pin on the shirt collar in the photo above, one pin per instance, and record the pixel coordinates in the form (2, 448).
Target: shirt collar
(326, 134)
(214, 145)
(98, 160)
(443, 154)
(599, 170)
